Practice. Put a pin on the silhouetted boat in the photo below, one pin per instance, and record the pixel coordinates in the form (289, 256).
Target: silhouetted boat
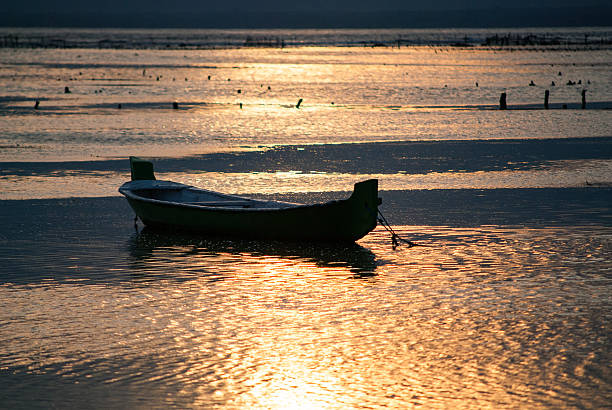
(166, 204)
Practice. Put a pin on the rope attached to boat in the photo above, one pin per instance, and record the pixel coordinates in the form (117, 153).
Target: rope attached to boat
(396, 240)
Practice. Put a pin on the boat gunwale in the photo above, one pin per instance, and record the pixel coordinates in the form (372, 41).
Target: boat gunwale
(131, 194)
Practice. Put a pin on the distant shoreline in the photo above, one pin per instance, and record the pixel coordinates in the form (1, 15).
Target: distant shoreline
(538, 38)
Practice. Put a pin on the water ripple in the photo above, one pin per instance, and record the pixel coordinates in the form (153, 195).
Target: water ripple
(495, 315)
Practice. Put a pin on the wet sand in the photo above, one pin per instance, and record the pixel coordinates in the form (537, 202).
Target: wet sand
(402, 165)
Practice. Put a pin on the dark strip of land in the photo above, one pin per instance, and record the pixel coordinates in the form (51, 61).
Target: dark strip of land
(408, 157)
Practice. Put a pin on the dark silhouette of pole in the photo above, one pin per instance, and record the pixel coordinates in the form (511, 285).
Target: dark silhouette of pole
(584, 99)
(502, 101)
(298, 104)
(546, 95)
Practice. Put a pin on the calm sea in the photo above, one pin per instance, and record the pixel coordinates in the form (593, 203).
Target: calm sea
(505, 304)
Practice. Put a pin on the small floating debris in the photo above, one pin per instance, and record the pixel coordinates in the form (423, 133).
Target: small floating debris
(67, 90)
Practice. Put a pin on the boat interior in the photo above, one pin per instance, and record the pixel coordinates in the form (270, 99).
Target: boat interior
(201, 197)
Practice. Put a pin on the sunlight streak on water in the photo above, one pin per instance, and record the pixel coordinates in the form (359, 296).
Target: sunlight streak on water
(505, 303)
(480, 316)
(93, 136)
(349, 95)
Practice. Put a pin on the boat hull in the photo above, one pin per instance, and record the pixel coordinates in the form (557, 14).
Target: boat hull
(334, 221)
(169, 205)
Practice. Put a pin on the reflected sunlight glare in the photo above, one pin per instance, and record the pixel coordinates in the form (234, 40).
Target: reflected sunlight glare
(475, 316)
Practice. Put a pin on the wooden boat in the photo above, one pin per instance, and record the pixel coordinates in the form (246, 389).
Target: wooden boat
(172, 205)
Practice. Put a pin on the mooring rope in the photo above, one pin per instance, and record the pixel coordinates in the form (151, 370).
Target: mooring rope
(395, 238)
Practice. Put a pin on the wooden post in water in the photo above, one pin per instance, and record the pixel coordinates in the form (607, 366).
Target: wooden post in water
(583, 99)
(546, 95)
(299, 103)
(502, 101)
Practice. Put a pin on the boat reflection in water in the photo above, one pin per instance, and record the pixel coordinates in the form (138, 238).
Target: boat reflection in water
(162, 251)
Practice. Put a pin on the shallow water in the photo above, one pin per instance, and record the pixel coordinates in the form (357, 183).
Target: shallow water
(504, 303)
(96, 313)
(349, 94)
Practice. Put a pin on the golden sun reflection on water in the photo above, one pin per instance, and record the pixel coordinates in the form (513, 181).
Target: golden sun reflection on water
(486, 316)
(478, 317)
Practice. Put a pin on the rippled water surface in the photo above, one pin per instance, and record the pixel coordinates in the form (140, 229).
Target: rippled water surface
(504, 303)
(96, 312)
(246, 98)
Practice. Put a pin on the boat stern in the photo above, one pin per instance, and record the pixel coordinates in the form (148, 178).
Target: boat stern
(364, 203)
(141, 169)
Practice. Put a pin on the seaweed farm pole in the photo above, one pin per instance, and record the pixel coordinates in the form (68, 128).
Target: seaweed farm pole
(546, 95)
(584, 99)
(502, 101)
